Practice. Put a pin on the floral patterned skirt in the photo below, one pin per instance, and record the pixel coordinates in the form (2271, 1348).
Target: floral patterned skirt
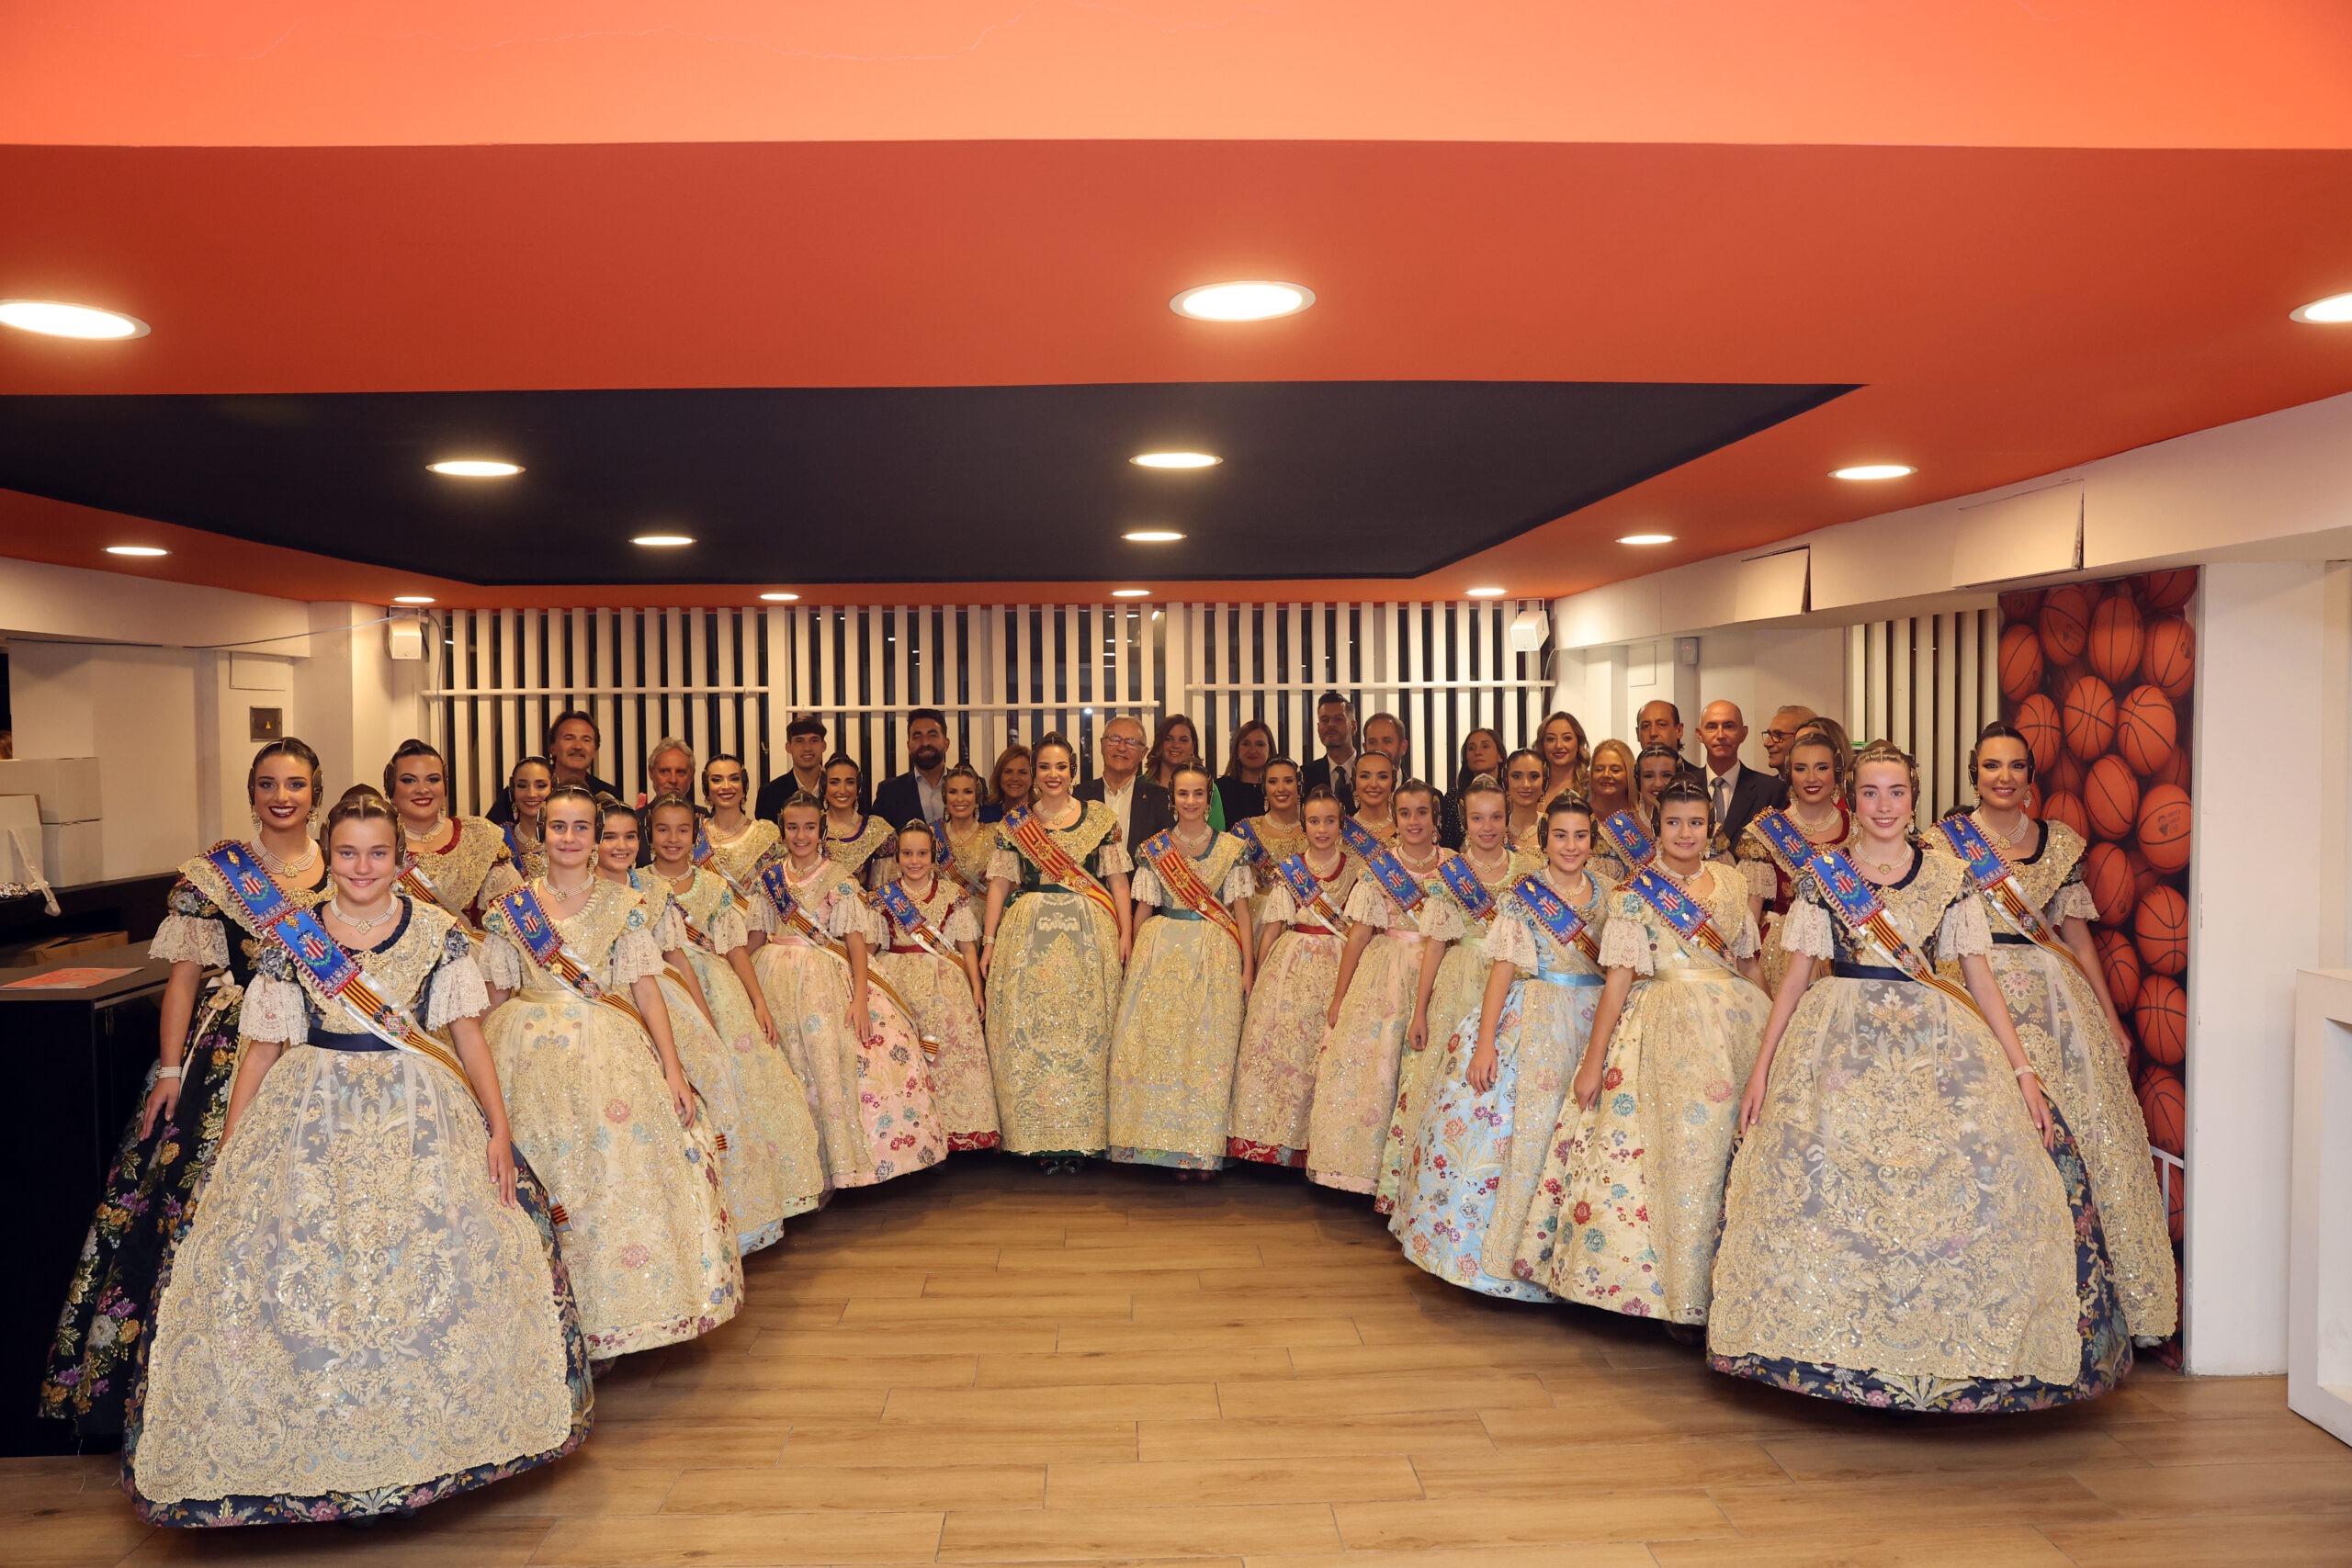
(754, 1198)
(1273, 1078)
(102, 1333)
(773, 1125)
(353, 1323)
(963, 1093)
(1355, 1067)
(1459, 990)
(875, 1116)
(1053, 1001)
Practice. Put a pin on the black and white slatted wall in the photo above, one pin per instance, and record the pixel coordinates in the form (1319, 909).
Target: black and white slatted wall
(1929, 683)
(727, 681)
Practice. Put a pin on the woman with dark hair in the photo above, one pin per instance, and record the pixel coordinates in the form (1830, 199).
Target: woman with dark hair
(1011, 781)
(1377, 788)
(1779, 841)
(1482, 754)
(527, 787)
(215, 917)
(1656, 768)
(464, 861)
(855, 837)
(1301, 935)
(738, 841)
(1274, 836)
(1241, 788)
(1522, 781)
(933, 959)
(1174, 743)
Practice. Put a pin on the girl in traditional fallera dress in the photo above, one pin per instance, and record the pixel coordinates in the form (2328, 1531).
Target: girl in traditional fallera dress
(369, 1314)
(1402, 921)
(462, 863)
(1896, 1231)
(1474, 879)
(599, 1102)
(1187, 985)
(932, 959)
(1054, 942)
(1626, 1208)
(962, 836)
(1301, 933)
(1479, 1148)
(740, 843)
(2029, 876)
(209, 925)
(850, 1041)
(1275, 836)
(1564, 748)
(858, 841)
(1770, 855)
(1522, 778)
(1376, 802)
(770, 1137)
(528, 787)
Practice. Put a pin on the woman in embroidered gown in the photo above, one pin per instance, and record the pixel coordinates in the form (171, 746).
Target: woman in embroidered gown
(1522, 778)
(850, 1041)
(1480, 1150)
(1290, 1005)
(740, 843)
(1907, 1223)
(1564, 748)
(966, 840)
(856, 840)
(1180, 1015)
(1815, 771)
(1380, 1005)
(464, 859)
(1274, 836)
(2068, 1025)
(770, 1137)
(528, 787)
(600, 1104)
(1052, 954)
(165, 1147)
(932, 959)
(1461, 974)
(1628, 1204)
(369, 1314)
(1375, 798)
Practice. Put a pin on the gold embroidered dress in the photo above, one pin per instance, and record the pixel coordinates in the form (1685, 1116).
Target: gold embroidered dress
(1626, 1207)
(1894, 1231)
(963, 1094)
(876, 1119)
(1281, 843)
(855, 853)
(739, 857)
(1768, 881)
(1356, 1066)
(1053, 992)
(1273, 1081)
(470, 869)
(2087, 1072)
(1476, 1160)
(648, 1238)
(354, 1323)
(1180, 1021)
(970, 850)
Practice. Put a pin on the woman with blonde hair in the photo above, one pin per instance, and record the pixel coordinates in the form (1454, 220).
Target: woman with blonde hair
(1562, 743)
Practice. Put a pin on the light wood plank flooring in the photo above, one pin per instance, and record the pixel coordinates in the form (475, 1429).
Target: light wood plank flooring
(982, 1365)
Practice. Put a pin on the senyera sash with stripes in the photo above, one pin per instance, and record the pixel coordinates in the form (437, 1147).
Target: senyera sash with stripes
(1024, 828)
(322, 965)
(1177, 873)
(1306, 891)
(2000, 887)
(1463, 882)
(1863, 914)
(1401, 886)
(1687, 917)
(777, 886)
(1791, 850)
(547, 949)
(1554, 914)
(1630, 840)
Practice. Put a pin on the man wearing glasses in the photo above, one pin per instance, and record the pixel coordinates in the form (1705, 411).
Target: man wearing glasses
(1142, 807)
(1781, 730)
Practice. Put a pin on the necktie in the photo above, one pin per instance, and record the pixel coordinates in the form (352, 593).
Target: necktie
(1722, 797)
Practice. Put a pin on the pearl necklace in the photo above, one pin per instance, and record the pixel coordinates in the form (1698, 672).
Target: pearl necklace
(1676, 877)
(564, 895)
(355, 923)
(428, 835)
(2007, 842)
(1478, 866)
(1829, 822)
(295, 867)
(1184, 843)
(1887, 870)
(1436, 852)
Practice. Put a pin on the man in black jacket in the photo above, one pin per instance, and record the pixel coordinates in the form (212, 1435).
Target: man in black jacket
(572, 743)
(1739, 790)
(804, 746)
(1142, 807)
(1335, 727)
(913, 796)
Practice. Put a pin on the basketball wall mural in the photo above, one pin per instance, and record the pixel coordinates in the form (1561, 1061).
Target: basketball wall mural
(2099, 677)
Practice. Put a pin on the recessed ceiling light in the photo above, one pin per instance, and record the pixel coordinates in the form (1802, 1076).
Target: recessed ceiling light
(1131, 594)
(412, 598)
(136, 550)
(1647, 539)
(1151, 536)
(1256, 301)
(55, 319)
(1873, 471)
(781, 598)
(476, 468)
(2334, 310)
(663, 541)
(1175, 460)
(1484, 592)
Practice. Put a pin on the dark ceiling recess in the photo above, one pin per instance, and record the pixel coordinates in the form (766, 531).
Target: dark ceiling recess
(1329, 478)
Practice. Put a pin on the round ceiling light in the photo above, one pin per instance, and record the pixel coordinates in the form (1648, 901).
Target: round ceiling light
(2334, 310)
(663, 541)
(1256, 301)
(412, 598)
(1131, 594)
(781, 598)
(1175, 460)
(54, 317)
(1873, 471)
(1645, 539)
(1483, 592)
(1151, 536)
(476, 468)
(144, 551)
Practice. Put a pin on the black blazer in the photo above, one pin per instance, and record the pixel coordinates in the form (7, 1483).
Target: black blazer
(502, 810)
(1318, 772)
(1151, 811)
(900, 800)
(1751, 793)
(777, 790)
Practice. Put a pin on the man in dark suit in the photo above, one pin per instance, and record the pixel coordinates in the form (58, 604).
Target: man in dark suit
(572, 743)
(1335, 727)
(913, 796)
(1739, 790)
(1142, 807)
(804, 744)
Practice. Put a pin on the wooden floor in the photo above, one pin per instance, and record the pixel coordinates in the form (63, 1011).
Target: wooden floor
(982, 1365)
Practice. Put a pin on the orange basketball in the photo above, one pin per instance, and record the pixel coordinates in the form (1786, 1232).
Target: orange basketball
(2167, 660)
(2109, 876)
(2165, 1107)
(2111, 797)
(2166, 589)
(2088, 715)
(2036, 720)
(2058, 806)
(2174, 770)
(2067, 773)
(2175, 1184)
(2022, 603)
(2116, 638)
(2146, 729)
(2160, 931)
(2020, 661)
(2164, 826)
(2161, 1020)
(2143, 876)
(2121, 961)
(2066, 623)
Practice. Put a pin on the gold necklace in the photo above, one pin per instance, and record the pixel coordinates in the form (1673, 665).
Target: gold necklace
(295, 867)
(1887, 870)
(1807, 827)
(1436, 851)
(1184, 843)
(1479, 868)
(2007, 841)
(355, 923)
(565, 896)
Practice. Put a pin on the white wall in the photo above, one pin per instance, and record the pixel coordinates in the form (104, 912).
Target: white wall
(135, 710)
(1758, 667)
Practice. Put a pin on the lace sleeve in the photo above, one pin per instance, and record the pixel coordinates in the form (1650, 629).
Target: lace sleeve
(961, 925)
(1966, 933)
(1744, 943)
(759, 915)
(191, 939)
(1511, 941)
(501, 881)
(1004, 865)
(851, 914)
(457, 990)
(2073, 902)
(1240, 882)
(1112, 860)
(1806, 930)
(1280, 908)
(636, 957)
(1367, 905)
(1625, 942)
(274, 1011)
(1144, 887)
(727, 930)
(1440, 919)
(1763, 878)
(670, 931)
(502, 962)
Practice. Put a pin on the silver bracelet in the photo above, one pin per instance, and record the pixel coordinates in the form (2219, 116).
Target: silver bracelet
(2026, 1072)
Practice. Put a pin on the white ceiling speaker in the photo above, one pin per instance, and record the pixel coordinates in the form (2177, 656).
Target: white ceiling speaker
(404, 635)
(1529, 629)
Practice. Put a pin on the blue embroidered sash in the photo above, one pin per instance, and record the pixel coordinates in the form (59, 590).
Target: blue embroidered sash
(1360, 841)
(531, 927)
(1630, 840)
(1253, 847)
(1786, 840)
(942, 853)
(1863, 914)
(907, 916)
(776, 882)
(1306, 892)
(258, 897)
(1468, 891)
(1556, 916)
(1401, 886)
(334, 975)
(2000, 885)
(1686, 916)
